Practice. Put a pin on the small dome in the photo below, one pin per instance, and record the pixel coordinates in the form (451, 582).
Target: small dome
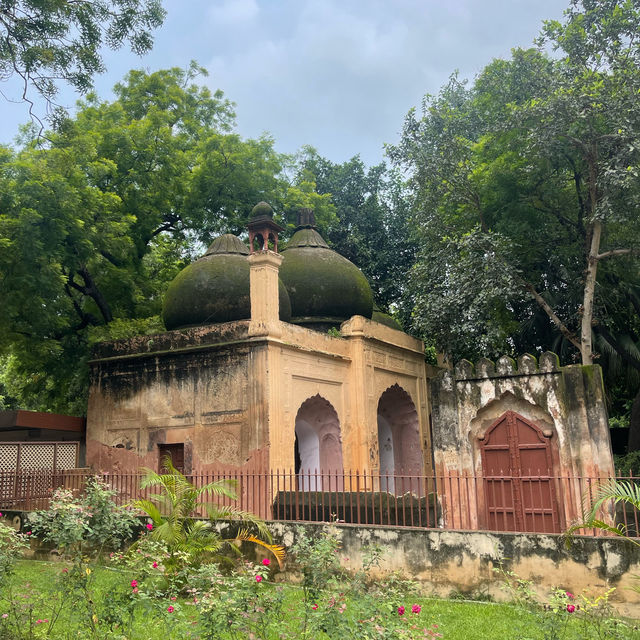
(261, 211)
(215, 288)
(325, 288)
(385, 318)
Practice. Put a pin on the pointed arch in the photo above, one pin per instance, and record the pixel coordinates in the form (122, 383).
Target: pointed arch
(521, 491)
(318, 445)
(399, 445)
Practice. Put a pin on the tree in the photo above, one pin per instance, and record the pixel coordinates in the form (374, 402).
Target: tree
(370, 227)
(95, 224)
(526, 196)
(60, 40)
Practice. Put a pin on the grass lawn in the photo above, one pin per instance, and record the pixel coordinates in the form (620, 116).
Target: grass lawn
(36, 593)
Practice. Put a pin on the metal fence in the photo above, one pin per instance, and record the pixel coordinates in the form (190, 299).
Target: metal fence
(526, 504)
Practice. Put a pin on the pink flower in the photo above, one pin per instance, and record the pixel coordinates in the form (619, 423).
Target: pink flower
(416, 608)
(266, 562)
(170, 609)
(134, 583)
(400, 611)
(38, 621)
(5, 615)
(65, 570)
(135, 589)
(258, 578)
(173, 598)
(155, 565)
(28, 533)
(571, 608)
(569, 595)
(0, 515)
(314, 607)
(149, 526)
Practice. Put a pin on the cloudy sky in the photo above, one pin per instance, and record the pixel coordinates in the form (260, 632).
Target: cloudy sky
(339, 75)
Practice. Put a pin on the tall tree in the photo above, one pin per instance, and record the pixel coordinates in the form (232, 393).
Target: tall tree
(44, 42)
(526, 194)
(94, 225)
(371, 225)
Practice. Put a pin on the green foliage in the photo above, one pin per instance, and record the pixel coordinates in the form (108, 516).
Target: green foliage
(94, 520)
(191, 541)
(370, 225)
(97, 222)
(44, 42)
(607, 494)
(525, 197)
(12, 545)
(628, 463)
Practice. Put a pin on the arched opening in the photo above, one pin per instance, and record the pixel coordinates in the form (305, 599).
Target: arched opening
(519, 485)
(399, 444)
(318, 446)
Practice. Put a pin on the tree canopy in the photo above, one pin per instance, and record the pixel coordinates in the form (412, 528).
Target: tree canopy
(526, 197)
(96, 223)
(44, 42)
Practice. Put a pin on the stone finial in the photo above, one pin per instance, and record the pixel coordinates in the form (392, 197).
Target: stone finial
(549, 362)
(463, 370)
(505, 366)
(485, 368)
(306, 217)
(527, 364)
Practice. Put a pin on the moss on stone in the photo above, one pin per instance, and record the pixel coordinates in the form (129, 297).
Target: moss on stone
(322, 283)
(214, 289)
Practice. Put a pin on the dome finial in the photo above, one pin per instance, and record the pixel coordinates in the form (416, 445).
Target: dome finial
(306, 218)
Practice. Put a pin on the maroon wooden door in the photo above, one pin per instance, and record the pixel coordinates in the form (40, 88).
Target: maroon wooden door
(175, 452)
(520, 494)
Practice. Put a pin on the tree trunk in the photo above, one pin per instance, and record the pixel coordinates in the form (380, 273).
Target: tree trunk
(633, 443)
(586, 346)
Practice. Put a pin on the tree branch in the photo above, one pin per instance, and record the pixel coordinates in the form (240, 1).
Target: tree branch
(570, 336)
(617, 252)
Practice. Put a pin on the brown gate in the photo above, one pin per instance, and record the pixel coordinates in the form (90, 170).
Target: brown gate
(520, 494)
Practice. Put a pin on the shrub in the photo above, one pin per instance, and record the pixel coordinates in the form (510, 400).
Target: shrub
(94, 519)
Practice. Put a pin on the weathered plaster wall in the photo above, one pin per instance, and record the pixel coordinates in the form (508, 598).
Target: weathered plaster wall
(566, 403)
(464, 561)
(188, 387)
(232, 396)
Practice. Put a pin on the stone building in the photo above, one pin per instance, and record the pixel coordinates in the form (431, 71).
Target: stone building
(280, 362)
(248, 375)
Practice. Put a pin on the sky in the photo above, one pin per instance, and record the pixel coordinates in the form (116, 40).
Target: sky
(337, 75)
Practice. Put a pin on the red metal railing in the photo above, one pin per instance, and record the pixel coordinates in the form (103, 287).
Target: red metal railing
(531, 503)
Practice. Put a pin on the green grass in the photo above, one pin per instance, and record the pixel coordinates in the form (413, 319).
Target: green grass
(455, 619)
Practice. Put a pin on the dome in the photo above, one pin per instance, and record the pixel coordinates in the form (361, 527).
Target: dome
(385, 318)
(325, 288)
(215, 288)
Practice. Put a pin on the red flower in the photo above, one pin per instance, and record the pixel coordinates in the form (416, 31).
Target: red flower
(400, 611)
(416, 608)
(258, 578)
(155, 565)
(149, 526)
(571, 608)
(134, 583)
(266, 562)
(314, 607)
(170, 609)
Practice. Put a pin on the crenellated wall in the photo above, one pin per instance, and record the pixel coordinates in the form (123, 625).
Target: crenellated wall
(560, 410)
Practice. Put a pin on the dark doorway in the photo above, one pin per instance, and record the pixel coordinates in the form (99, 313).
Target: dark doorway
(175, 452)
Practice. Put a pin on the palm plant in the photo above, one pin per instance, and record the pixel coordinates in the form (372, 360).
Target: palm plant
(616, 491)
(175, 522)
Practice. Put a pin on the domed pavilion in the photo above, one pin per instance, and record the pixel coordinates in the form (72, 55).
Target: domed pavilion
(249, 377)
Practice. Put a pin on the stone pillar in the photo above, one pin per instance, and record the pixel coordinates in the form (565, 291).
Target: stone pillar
(263, 282)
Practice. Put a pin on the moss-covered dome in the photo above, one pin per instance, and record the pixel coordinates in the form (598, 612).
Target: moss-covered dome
(215, 288)
(385, 318)
(325, 289)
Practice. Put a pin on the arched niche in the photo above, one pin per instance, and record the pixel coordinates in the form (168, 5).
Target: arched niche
(318, 446)
(399, 446)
